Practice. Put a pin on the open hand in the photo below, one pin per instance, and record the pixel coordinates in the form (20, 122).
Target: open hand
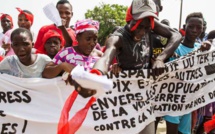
(206, 45)
(6, 46)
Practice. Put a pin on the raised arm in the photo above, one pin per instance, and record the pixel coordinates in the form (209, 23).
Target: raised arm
(112, 45)
(66, 36)
(52, 70)
(174, 39)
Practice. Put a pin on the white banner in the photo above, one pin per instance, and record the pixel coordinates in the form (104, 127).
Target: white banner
(33, 105)
(188, 85)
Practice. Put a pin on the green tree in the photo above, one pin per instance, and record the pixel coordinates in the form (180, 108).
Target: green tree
(109, 16)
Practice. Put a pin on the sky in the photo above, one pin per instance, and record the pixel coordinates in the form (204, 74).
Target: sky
(171, 10)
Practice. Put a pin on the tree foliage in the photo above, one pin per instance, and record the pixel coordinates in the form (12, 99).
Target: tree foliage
(109, 16)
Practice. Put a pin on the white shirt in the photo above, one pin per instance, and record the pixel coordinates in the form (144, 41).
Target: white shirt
(12, 66)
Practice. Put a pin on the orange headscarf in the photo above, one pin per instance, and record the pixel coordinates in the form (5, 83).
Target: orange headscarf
(47, 35)
(30, 17)
(129, 17)
(2, 16)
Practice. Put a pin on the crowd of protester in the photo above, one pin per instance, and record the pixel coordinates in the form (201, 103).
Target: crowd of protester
(54, 50)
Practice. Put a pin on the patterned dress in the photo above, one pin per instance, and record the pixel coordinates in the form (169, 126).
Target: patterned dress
(69, 55)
